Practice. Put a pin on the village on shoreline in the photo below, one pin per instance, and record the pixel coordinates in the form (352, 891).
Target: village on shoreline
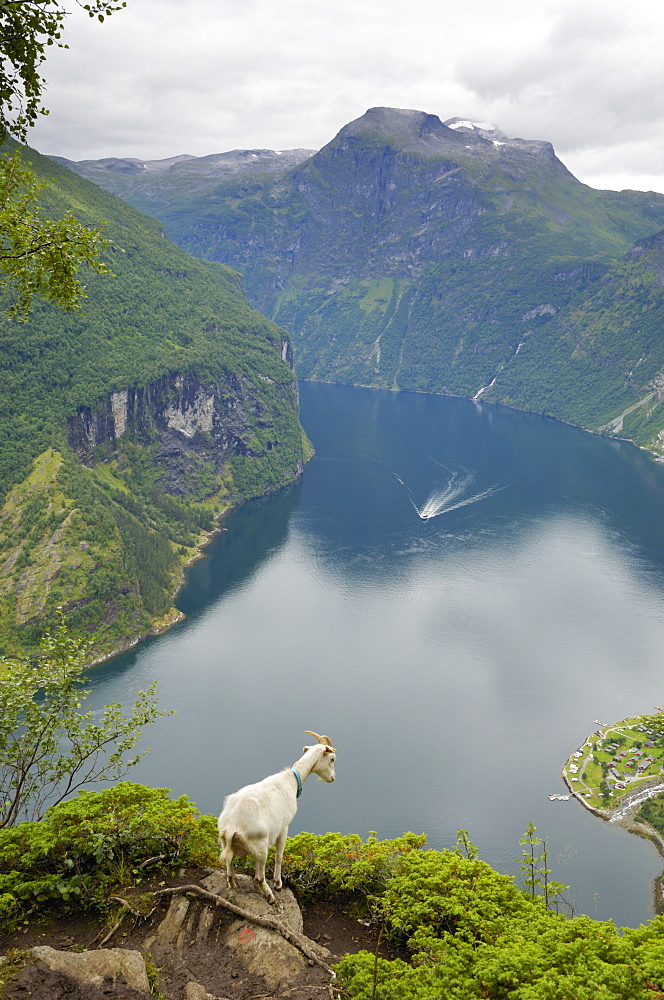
(617, 769)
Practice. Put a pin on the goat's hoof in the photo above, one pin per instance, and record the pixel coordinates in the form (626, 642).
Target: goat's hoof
(278, 885)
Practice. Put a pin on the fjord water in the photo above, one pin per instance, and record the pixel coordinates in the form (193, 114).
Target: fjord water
(455, 661)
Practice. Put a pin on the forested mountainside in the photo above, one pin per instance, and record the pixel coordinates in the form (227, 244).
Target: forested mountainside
(413, 254)
(125, 429)
(599, 362)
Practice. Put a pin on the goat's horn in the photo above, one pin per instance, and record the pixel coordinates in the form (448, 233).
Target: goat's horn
(321, 739)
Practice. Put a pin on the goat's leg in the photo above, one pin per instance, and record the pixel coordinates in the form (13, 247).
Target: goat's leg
(278, 856)
(230, 874)
(226, 857)
(260, 877)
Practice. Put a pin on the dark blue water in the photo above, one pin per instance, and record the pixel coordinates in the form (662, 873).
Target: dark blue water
(455, 662)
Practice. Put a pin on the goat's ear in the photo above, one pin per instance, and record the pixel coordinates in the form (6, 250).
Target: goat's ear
(304, 749)
(330, 750)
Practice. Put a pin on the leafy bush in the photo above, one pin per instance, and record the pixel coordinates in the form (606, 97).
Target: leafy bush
(83, 848)
(344, 863)
(436, 892)
(474, 934)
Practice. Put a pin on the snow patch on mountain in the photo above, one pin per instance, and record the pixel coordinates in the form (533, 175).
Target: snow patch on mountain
(457, 123)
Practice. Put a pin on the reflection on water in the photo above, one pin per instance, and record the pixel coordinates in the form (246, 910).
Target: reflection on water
(257, 535)
(455, 662)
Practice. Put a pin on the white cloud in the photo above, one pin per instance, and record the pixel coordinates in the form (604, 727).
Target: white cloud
(162, 77)
(592, 86)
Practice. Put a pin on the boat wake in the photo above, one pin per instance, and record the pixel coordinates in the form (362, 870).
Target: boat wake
(450, 497)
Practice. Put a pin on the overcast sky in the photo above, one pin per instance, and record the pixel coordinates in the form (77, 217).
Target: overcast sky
(165, 77)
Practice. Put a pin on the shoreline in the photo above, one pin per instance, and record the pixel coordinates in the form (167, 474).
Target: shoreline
(170, 620)
(624, 813)
(496, 402)
(625, 810)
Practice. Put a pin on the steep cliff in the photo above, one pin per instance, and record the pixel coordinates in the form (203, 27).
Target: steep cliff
(126, 429)
(599, 361)
(199, 433)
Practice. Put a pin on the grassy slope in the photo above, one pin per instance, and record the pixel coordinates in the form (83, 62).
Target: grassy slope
(163, 313)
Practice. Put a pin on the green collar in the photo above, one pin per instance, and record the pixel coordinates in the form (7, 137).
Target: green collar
(298, 778)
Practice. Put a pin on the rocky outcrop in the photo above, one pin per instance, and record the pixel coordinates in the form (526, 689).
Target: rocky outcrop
(264, 952)
(193, 426)
(94, 967)
(194, 927)
(196, 950)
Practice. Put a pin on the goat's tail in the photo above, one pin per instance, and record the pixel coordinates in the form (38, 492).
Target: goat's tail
(230, 846)
(225, 846)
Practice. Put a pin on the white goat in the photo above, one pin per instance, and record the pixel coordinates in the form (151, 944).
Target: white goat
(257, 816)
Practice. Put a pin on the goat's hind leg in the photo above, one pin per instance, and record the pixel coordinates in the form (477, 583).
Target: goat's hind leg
(230, 873)
(260, 877)
(226, 857)
(278, 856)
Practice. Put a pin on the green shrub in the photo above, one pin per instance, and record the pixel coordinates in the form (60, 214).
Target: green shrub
(440, 891)
(474, 934)
(344, 863)
(84, 847)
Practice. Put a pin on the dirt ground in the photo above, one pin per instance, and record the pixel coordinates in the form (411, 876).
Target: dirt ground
(210, 963)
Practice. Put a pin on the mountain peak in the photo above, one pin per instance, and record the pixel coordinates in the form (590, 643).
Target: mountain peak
(407, 131)
(403, 129)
